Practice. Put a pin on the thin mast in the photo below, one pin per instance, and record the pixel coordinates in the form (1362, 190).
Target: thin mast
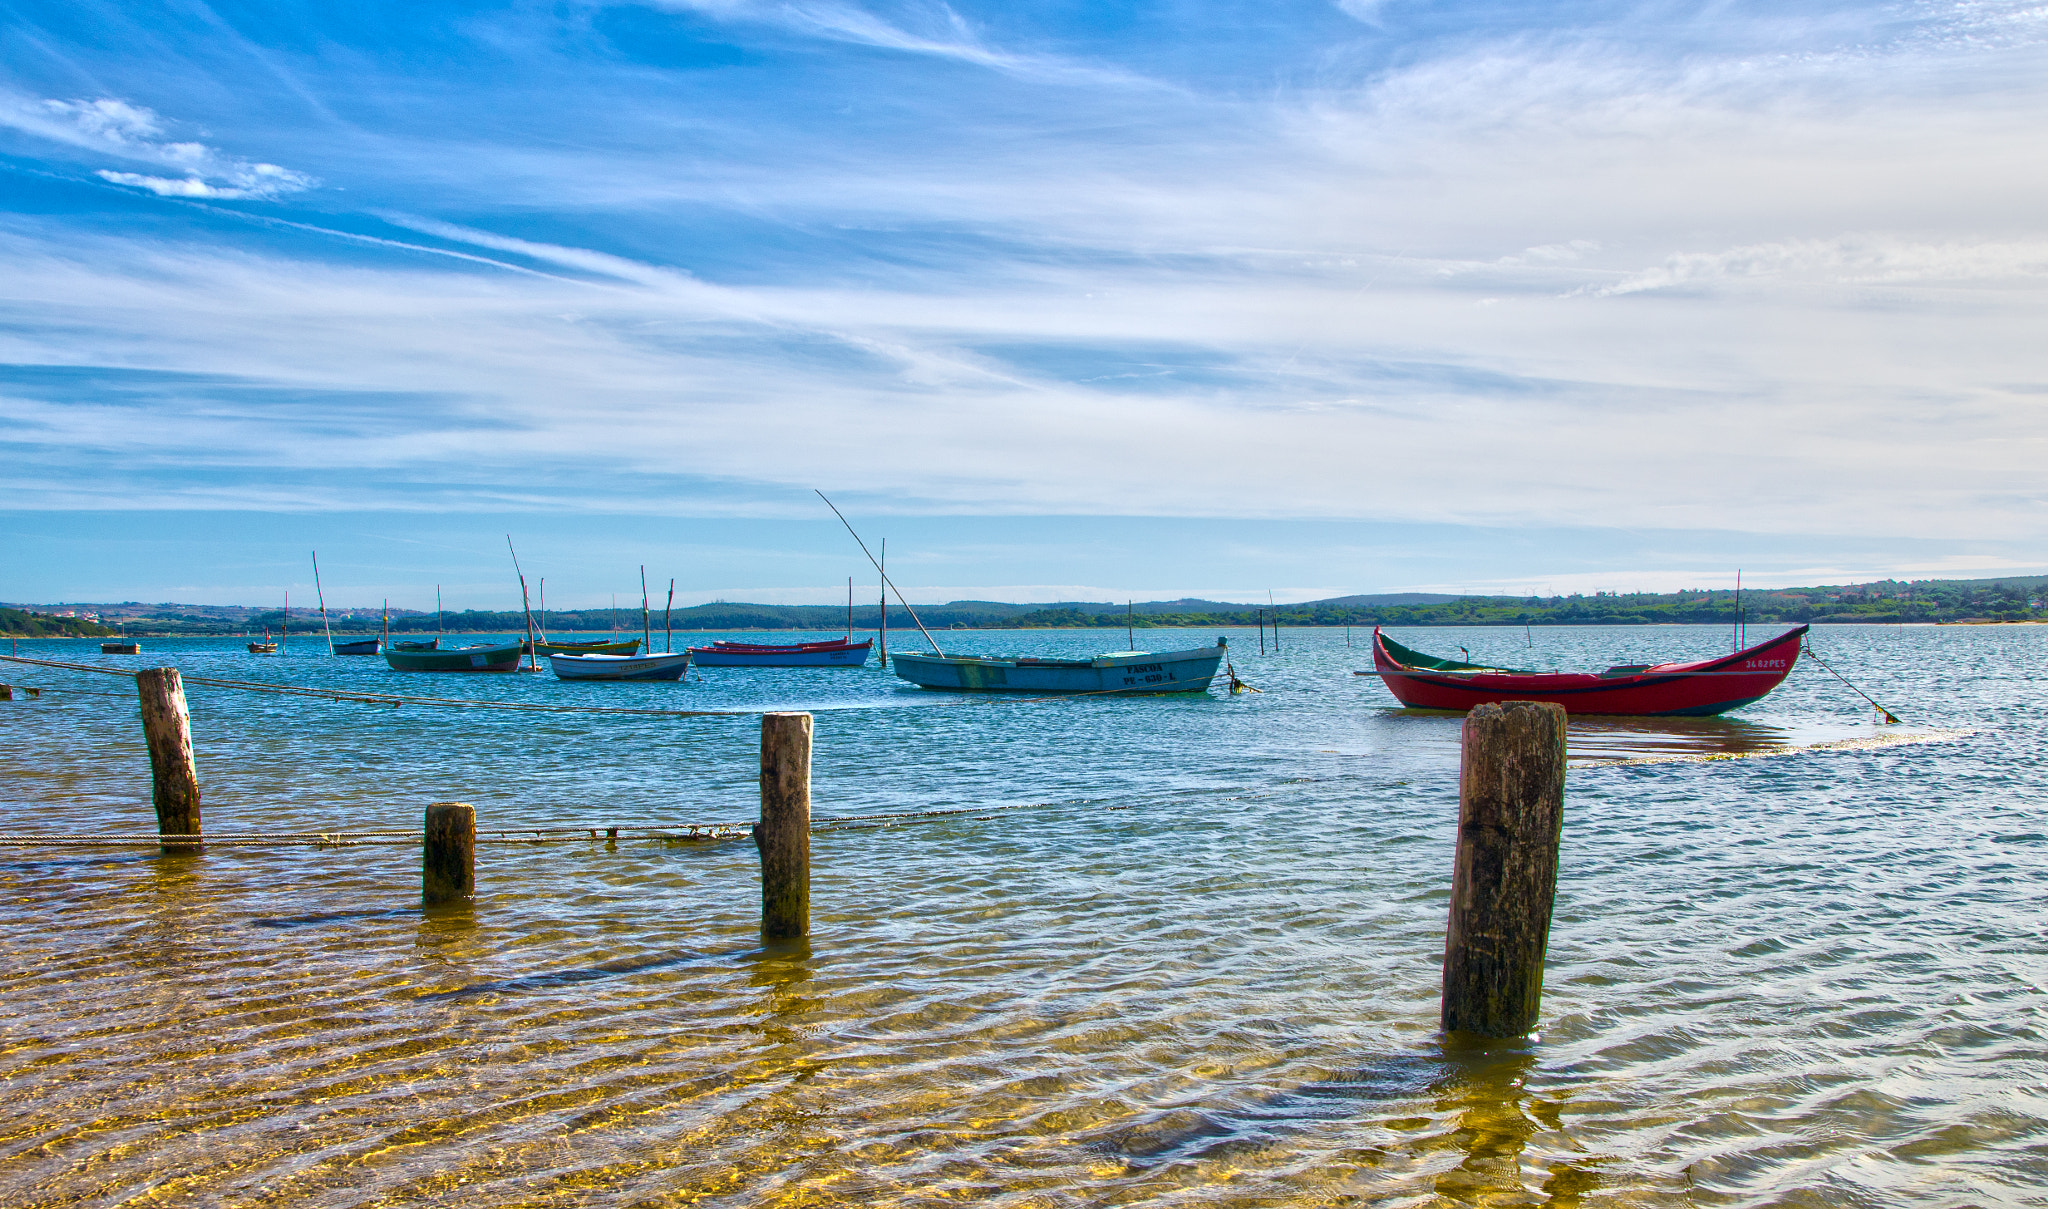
(1130, 625)
(886, 582)
(884, 603)
(323, 602)
(849, 608)
(668, 629)
(387, 623)
(438, 628)
(1276, 620)
(532, 651)
(646, 628)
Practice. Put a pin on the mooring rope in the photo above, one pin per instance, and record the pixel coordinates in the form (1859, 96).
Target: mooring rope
(510, 835)
(394, 699)
(1888, 715)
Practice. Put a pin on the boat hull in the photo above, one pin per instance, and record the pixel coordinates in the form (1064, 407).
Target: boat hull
(808, 654)
(367, 646)
(1136, 672)
(620, 667)
(1668, 690)
(456, 659)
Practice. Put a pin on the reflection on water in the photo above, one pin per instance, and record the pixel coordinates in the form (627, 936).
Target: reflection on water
(1593, 740)
(1193, 960)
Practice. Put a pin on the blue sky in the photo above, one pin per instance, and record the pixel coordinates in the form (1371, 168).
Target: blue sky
(1069, 300)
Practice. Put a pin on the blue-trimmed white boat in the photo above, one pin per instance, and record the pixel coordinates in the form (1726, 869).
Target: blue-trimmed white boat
(620, 667)
(1119, 672)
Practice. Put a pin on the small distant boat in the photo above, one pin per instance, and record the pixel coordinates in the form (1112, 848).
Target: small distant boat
(484, 657)
(1121, 672)
(834, 653)
(620, 667)
(1700, 689)
(362, 646)
(120, 648)
(546, 647)
(266, 647)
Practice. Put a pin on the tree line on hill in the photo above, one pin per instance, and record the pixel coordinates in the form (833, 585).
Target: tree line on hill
(1889, 601)
(22, 623)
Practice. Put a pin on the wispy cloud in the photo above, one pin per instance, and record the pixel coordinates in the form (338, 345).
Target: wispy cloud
(133, 132)
(945, 34)
(1847, 260)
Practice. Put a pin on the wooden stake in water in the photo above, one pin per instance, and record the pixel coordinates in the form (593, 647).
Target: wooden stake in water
(1504, 878)
(1262, 631)
(783, 835)
(526, 607)
(323, 603)
(167, 725)
(448, 854)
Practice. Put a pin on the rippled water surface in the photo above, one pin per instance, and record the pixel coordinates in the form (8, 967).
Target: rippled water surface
(1193, 958)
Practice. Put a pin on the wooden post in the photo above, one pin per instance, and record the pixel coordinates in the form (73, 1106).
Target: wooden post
(448, 854)
(6, 692)
(167, 726)
(784, 833)
(1510, 813)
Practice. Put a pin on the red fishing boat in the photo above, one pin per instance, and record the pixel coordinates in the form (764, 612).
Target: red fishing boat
(835, 653)
(1710, 686)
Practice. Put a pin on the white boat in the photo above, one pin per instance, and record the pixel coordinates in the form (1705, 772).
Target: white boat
(1118, 672)
(620, 667)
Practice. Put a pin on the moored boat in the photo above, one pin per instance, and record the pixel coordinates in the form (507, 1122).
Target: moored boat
(546, 647)
(484, 657)
(362, 646)
(620, 667)
(1119, 672)
(120, 648)
(1697, 689)
(266, 647)
(835, 653)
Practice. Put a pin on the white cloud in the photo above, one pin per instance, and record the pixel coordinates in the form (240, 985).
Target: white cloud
(134, 132)
(1847, 260)
(949, 37)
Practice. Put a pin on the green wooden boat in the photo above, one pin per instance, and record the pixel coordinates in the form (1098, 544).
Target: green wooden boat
(484, 657)
(587, 648)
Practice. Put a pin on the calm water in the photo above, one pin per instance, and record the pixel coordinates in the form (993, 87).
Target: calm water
(1195, 963)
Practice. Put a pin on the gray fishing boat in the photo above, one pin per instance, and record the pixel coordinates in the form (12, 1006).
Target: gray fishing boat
(1120, 672)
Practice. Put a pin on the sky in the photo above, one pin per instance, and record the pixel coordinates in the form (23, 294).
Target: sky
(1070, 301)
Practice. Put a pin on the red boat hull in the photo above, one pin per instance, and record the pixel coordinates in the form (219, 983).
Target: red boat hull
(1711, 686)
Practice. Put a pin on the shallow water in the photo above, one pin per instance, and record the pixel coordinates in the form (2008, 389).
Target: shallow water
(1192, 959)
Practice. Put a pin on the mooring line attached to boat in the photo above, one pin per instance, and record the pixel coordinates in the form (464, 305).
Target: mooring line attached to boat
(1815, 655)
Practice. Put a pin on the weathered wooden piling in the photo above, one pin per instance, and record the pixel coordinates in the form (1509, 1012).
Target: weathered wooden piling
(448, 854)
(6, 692)
(167, 726)
(784, 833)
(1510, 815)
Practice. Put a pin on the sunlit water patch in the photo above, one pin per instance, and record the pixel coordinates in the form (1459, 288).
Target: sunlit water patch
(1175, 951)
